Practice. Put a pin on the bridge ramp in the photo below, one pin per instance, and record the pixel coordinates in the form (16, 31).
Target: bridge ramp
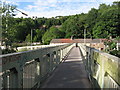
(69, 74)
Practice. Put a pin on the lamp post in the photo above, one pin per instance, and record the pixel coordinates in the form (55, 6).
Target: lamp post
(32, 36)
(85, 36)
(33, 18)
(85, 30)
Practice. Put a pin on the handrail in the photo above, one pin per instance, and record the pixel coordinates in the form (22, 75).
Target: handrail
(29, 69)
(103, 68)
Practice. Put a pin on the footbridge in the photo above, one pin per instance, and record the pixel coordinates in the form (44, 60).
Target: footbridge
(60, 66)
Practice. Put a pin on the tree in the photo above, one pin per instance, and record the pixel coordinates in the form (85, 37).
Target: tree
(107, 23)
(91, 19)
(52, 33)
(7, 16)
(74, 26)
(38, 35)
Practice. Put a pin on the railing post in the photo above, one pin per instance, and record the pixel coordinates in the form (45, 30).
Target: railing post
(102, 73)
(51, 61)
(38, 70)
(13, 78)
(61, 54)
(20, 78)
(5, 80)
(58, 56)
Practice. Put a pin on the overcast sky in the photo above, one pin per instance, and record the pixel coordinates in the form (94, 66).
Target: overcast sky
(52, 8)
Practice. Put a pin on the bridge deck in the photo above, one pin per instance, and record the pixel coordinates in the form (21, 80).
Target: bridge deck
(69, 74)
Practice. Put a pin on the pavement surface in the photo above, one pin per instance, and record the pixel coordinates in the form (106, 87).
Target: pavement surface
(69, 74)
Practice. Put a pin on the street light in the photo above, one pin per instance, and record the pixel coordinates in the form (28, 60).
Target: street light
(85, 29)
(85, 36)
(33, 20)
(21, 12)
(31, 35)
(32, 29)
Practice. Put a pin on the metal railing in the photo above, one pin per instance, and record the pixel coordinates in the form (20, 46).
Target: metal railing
(29, 69)
(103, 69)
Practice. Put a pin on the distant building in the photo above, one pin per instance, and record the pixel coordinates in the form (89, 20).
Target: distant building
(96, 43)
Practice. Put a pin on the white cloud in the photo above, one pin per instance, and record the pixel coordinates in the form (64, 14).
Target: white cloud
(53, 1)
(77, 0)
(59, 11)
(10, 2)
(50, 1)
(52, 8)
(107, 0)
(31, 6)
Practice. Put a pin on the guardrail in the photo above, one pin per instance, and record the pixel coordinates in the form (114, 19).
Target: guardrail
(103, 69)
(29, 69)
(35, 47)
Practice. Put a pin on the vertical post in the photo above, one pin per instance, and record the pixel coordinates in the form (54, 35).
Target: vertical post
(13, 79)
(5, 80)
(102, 73)
(58, 56)
(61, 54)
(51, 62)
(31, 37)
(84, 36)
(20, 75)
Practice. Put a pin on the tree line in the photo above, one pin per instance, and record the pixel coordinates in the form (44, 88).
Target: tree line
(98, 23)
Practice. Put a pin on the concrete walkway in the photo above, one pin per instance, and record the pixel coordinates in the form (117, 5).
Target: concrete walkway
(69, 74)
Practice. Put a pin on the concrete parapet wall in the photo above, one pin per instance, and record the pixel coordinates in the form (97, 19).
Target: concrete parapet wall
(29, 69)
(36, 47)
(103, 68)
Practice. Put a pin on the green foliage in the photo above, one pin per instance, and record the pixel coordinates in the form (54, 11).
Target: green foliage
(7, 13)
(115, 52)
(91, 19)
(73, 26)
(107, 22)
(6, 51)
(28, 38)
(110, 45)
(98, 23)
(24, 49)
(19, 44)
(52, 33)
(38, 35)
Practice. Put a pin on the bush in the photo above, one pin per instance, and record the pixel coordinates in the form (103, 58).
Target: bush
(115, 52)
(24, 49)
(6, 51)
(19, 44)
